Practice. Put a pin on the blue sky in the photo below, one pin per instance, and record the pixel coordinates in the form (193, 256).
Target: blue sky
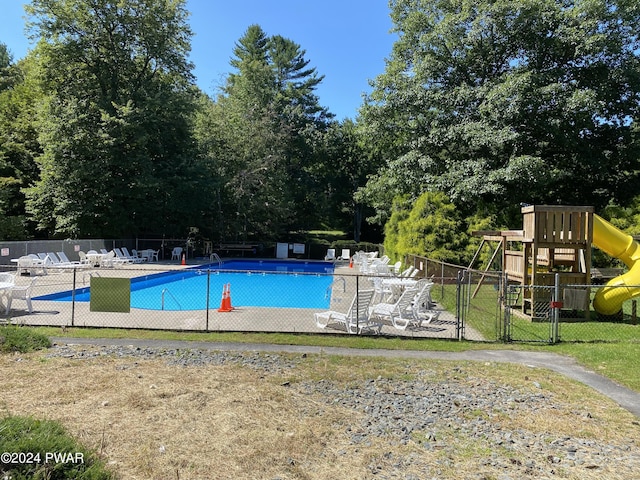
(347, 41)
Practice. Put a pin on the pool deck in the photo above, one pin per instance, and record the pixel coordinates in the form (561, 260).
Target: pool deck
(247, 319)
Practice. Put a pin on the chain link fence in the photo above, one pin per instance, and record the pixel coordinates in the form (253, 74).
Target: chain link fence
(462, 303)
(566, 313)
(292, 298)
(490, 308)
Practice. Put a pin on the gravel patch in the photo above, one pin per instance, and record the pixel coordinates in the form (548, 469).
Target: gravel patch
(438, 416)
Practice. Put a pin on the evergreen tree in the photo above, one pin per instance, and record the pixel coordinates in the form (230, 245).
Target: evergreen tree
(268, 128)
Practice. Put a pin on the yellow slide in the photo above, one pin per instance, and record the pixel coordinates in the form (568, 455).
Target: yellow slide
(616, 243)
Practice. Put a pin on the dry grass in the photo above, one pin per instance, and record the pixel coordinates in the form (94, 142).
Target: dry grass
(150, 420)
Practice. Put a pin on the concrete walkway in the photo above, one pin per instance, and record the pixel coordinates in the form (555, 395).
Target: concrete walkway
(626, 398)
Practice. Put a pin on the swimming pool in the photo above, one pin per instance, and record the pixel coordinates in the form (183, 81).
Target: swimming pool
(262, 283)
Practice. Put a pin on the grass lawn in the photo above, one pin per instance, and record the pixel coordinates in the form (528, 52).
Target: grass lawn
(617, 360)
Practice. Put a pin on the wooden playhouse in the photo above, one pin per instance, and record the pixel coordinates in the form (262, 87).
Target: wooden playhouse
(553, 240)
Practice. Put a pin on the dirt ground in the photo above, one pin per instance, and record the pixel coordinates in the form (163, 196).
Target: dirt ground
(151, 420)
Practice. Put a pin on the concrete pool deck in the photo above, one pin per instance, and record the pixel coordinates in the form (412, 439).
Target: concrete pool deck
(249, 319)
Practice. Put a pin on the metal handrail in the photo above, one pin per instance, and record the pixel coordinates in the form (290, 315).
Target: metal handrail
(166, 290)
(330, 287)
(215, 256)
(90, 274)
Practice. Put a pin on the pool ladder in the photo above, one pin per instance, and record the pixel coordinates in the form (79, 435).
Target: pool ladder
(166, 290)
(90, 275)
(329, 290)
(214, 257)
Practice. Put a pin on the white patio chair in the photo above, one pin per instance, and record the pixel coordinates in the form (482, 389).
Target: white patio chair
(398, 314)
(121, 257)
(136, 254)
(331, 255)
(356, 320)
(176, 253)
(422, 307)
(132, 258)
(21, 292)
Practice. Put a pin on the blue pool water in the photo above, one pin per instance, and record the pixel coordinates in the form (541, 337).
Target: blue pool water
(265, 283)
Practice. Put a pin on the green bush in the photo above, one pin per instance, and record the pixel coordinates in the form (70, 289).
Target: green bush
(20, 339)
(431, 226)
(339, 245)
(33, 443)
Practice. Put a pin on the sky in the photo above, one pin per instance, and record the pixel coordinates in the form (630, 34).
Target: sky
(347, 41)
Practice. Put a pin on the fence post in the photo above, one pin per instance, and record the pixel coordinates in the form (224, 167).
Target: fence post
(73, 297)
(206, 327)
(459, 299)
(556, 305)
(506, 305)
(357, 306)
(441, 279)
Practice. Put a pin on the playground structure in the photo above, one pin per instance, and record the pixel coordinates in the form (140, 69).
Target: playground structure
(557, 240)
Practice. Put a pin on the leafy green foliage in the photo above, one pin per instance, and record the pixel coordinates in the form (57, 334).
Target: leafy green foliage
(18, 144)
(118, 153)
(432, 227)
(39, 437)
(18, 339)
(262, 141)
(497, 103)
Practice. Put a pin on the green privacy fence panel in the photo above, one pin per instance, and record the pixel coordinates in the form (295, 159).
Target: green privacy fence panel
(110, 295)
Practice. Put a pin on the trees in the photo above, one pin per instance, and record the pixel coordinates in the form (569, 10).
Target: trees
(18, 142)
(346, 166)
(118, 151)
(261, 138)
(495, 103)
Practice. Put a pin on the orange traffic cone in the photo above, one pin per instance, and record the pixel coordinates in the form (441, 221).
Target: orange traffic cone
(350, 262)
(225, 304)
(184, 259)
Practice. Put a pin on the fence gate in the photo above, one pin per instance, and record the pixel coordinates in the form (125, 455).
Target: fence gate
(530, 314)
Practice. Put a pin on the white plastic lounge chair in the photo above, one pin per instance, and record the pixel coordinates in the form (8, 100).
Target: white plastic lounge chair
(64, 259)
(136, 254)
(408, 271)
(58, 262)
(55, 261)
(122, 258)
(22, 292)
(71, 264)
(331, 255)
(381, 269)
(422, 307)
(346, 254)
(356, 320)
(132, 258)
(398, 314)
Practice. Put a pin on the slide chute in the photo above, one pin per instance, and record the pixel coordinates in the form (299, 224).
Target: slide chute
(614, 242)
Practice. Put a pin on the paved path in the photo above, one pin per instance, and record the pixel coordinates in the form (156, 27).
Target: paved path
(626, 398)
